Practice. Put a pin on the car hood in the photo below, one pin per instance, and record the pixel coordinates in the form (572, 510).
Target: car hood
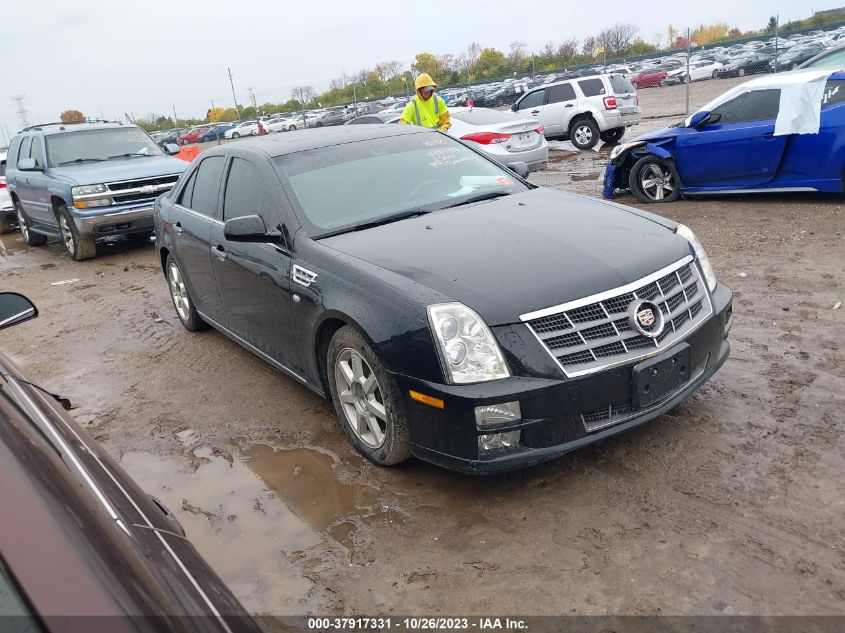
(120, 169)
(520, 253)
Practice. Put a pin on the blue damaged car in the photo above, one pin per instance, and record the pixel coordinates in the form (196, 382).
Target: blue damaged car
(81, 182)
(778, 133)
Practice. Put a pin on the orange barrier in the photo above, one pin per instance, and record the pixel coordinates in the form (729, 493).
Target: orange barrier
(188, 152)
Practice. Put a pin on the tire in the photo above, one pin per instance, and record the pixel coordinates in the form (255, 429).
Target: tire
(350, 367)
(613, 135)
(584, 133)
(318, 124)
(740, 72)
(292, 128)
(235, 135)
(79, 247)
(715, 75)
(31, 239)
(650, 168)
(182, 301)
(5, 224)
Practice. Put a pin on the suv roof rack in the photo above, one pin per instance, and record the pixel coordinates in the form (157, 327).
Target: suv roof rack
(40, 125)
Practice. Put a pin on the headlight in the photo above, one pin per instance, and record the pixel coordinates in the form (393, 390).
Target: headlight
(700, 254)
(616, 151)
(88, 189)
(467, 347)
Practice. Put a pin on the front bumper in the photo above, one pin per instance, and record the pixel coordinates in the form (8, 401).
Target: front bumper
(99, 224)
(554, 410)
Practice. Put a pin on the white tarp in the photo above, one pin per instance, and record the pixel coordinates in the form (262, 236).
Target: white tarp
(801, 95)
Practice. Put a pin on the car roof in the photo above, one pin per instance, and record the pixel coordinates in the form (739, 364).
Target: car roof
(59, 128)
(301, 140)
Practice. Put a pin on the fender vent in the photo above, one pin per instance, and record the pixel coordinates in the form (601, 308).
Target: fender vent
(303, 276)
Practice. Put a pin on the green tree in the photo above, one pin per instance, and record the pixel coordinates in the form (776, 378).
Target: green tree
(491, 62)
(772, 25)
(640, 47)
(428, 63)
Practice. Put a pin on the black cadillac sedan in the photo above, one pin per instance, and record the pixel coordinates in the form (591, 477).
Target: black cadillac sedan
(450, 309)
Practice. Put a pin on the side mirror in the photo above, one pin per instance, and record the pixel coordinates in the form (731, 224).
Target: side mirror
(15, 308)
(171, 148)
(699, 118)
(250, 228)
(519, 168)
(514, 107)
(29, 164)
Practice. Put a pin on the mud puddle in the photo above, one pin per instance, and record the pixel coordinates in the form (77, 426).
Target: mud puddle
(11, 243)
(267, 521)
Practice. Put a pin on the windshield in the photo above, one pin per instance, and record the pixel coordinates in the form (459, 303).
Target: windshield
(94, 145)
(344, 186)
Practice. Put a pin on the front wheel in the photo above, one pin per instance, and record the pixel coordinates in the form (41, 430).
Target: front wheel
(613, 136)
(78, 246)
(654, 179)
(741, 72)
(235, 135)
(31, 238)
(584, 134)
(291, 128)
(715, 75)
(366, 399)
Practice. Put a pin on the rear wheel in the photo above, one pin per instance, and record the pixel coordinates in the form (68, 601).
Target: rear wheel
(291, 128)
(366, 399)
(182, 301)
(78, 246)
(614, 135)
(584, 134)
(235, 135)
(31, 238)
(741, 72)
(715, 75)
(654, 179)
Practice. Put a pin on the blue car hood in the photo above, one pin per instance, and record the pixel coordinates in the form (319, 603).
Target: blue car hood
(120, 169)
(661, 134)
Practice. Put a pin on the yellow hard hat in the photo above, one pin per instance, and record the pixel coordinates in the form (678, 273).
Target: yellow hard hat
(424, 80)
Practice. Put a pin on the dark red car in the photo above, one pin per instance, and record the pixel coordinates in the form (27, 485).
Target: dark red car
(648, 78)
(192, 135)
(82, 547)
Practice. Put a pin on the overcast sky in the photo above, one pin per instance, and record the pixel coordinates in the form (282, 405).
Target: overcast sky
(144, 57)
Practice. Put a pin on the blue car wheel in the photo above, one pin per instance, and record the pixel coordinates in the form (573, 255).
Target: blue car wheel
(654, 179)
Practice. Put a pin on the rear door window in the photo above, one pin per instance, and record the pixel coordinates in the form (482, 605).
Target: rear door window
(532, 100)
(562, 92)
(204, 198)
(592, 87)
(26, 144)
(184, 198)
(13, 151)
(757, 105)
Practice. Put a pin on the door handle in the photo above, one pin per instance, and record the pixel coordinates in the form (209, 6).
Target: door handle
(178, 227)
(219, 252)
(535, 112)
(568, 105)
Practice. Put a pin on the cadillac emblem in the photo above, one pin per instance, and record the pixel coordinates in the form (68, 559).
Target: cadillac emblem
(646, 318)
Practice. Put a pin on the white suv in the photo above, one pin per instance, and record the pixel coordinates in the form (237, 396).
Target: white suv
(583, 109)
(7, 210)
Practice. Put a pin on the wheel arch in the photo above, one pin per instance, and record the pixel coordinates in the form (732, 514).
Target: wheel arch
(330, 323)
(57, 201)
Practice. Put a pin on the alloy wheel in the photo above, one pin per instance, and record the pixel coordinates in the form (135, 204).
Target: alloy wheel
(656, 181)
(179, 292)
(67, 235)
(22, 222)
(361, 398)
(583, 134)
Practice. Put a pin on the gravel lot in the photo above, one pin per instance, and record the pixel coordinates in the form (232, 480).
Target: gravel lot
(733, 503)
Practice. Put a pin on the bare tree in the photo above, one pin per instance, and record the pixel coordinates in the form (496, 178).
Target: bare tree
(516, 56)
(589, 46)
(617, 39)
(303, 94)
(473, 52)
(568, 49)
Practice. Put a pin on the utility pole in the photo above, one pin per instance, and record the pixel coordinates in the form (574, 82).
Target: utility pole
(22, 113)
(251, 90)
(234, 98)
(777, 24)
(175, 120)
(689, 52)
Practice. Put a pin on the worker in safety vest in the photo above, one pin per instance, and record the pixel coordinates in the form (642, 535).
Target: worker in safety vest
(426, 108)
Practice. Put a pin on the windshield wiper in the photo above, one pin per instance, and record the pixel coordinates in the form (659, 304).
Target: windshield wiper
(490, 195)
(368, 225)
(81, 160)
(128, 155)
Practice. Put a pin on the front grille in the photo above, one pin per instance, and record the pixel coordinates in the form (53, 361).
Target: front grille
(142, 190)
(590, 335)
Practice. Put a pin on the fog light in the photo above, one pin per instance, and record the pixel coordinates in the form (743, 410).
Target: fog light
(497, 414)
(497, 441)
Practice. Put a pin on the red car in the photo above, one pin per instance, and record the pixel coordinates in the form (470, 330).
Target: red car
(192, 135)
(648, 78)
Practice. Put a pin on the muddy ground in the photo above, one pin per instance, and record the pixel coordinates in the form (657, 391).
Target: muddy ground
(733, 503)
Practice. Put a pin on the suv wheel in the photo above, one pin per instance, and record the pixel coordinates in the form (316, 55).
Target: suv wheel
(366, 399)
(614, 135)
(584, 133)
(31, 238)
(654, 179)
(78, 246)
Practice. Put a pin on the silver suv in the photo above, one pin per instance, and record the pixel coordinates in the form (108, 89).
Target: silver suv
(583, 109)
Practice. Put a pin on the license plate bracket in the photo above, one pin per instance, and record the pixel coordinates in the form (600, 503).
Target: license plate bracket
(656, 377)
